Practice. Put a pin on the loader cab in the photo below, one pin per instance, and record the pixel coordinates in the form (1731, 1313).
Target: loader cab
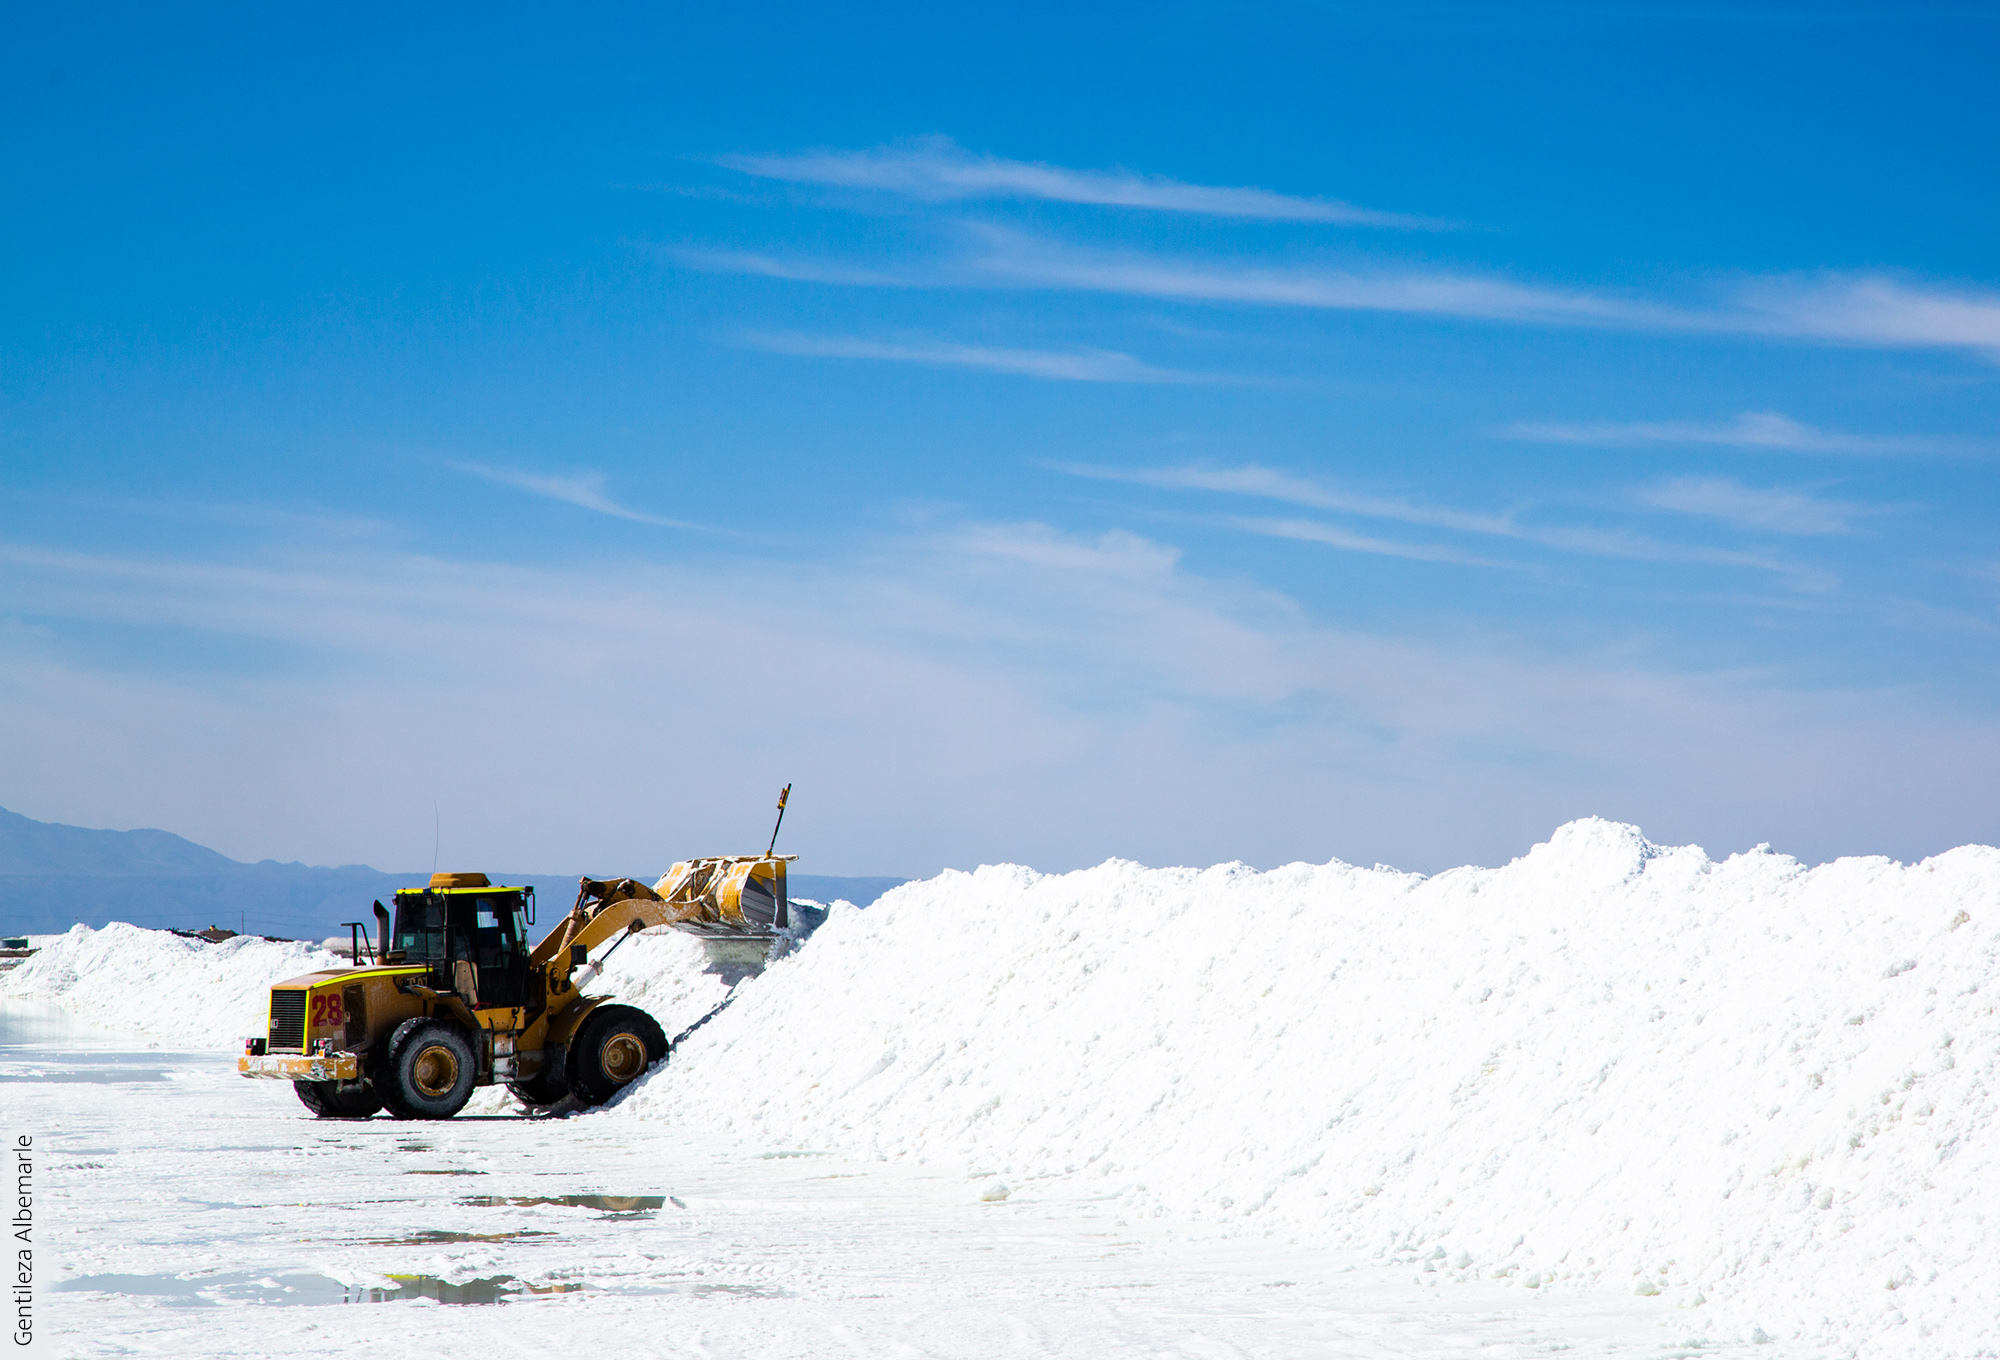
(464, 923)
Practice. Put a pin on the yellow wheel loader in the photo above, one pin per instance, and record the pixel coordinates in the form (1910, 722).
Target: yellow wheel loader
(455, 998)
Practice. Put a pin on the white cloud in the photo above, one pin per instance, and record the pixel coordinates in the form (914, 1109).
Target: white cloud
(1750, 430)
(1028, 261)
(582, 489)
(794, 269)
(1834, 309)
(1312, 531)
(987, 693)
(1857, 310)
(1271, 484)
(1874, 310)
(1117, 553)
(1082, 365)
(936, 168)
(1749, 507)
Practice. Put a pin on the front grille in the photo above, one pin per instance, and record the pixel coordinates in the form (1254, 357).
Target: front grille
(288, 1021)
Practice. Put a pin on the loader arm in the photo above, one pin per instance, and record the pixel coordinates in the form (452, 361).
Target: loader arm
(586, 930)
(741, 896)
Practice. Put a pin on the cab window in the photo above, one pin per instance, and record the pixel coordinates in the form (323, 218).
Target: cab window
(498, 945)
(420, 926)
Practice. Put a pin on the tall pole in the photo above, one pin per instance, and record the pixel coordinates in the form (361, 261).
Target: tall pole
(781, 820)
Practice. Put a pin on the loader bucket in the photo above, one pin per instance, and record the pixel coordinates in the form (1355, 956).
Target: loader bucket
(732, 895)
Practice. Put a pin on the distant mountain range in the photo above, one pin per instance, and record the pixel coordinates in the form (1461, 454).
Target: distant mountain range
(53, 876)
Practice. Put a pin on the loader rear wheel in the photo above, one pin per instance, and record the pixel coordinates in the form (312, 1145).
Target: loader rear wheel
(328, 1101)
(613, 1049)
(430, 1072)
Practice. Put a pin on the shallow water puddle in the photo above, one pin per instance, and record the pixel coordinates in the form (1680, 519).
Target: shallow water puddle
(211, 1290)
(492, 1289)
(208, 1291)
(435, 1236)
(456, 1171)
(607, 1204)
(203, 1291)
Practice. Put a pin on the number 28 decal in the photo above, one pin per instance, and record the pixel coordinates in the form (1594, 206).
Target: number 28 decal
(326, 1010)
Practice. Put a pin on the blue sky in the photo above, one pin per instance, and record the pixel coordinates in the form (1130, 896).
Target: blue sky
(1183, 433)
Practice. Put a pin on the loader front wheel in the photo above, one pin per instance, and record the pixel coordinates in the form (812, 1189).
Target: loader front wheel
(615, 1047)
(328, 1101)
(544, 1088)
(431, 1070)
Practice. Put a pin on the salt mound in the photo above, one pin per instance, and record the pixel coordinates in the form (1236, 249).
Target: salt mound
(662, 973)
(1763, 1093)
(164, 985)
(184, 991)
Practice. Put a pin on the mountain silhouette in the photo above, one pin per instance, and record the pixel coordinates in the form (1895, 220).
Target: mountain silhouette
(54, 876)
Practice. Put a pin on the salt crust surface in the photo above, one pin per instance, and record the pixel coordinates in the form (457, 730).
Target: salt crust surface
(1765, 1091)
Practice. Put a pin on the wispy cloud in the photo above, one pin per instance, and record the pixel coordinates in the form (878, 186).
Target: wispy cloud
(794, 269)
(1271, 484)
(1867, 311)
(936, 168)
(1750, 430)
(1029, 261)
(1129, 705)
(582, 489)
(1834, 309)
(1085, 365)
(1873, 310)
(1750, 507)
(1117, 553)
(1332, 536)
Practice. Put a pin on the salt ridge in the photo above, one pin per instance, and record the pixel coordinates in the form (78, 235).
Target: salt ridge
(1762, 1092)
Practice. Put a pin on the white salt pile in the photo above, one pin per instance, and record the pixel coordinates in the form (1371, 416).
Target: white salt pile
(177, 990)
(662, 974)
(166, 986)
(1761, 1092)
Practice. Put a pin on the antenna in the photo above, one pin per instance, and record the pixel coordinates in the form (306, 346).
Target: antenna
(781, 819)
(435, 835)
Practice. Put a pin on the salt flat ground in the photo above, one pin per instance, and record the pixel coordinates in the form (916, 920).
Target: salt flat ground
(185, 1211)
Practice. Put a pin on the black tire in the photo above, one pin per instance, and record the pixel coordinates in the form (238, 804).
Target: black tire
(431, 1070)
(328, 1101)
(382, 1072)
(546, 1087)
(613, 1049)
